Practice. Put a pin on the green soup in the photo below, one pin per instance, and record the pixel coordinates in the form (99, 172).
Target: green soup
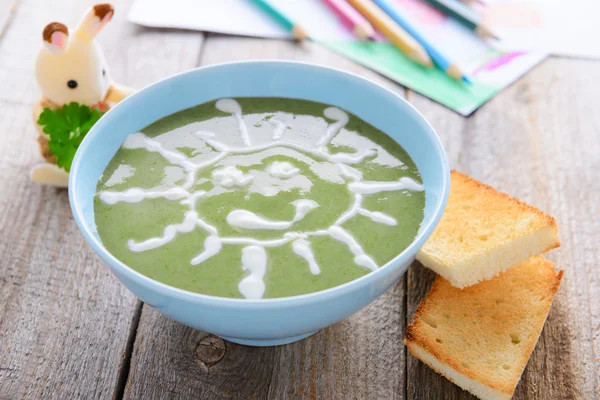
(258, 198)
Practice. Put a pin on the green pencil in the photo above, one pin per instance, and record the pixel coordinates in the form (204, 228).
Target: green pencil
(464, 14)
(297, 30)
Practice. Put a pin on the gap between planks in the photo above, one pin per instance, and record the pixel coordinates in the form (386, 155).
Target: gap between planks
(125, 367)
(5, 20)
(467, 150)
(317, 367)
(126, 363)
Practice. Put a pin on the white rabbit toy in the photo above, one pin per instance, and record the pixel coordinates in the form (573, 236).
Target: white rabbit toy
(71, 68)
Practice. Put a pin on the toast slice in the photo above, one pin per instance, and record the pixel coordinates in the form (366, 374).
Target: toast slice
(481, 337)
(483, 232)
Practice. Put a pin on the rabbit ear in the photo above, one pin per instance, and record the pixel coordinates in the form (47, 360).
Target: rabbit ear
(93, 21)
(56, 37)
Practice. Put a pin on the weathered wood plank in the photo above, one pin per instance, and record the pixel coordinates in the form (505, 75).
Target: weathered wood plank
(169, 361)
(539, 142)
(7, 9)
(64, 320)
(362, 357)
(21, 42)
(57, 297)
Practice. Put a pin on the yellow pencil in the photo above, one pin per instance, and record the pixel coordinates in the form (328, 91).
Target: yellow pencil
(409, 46)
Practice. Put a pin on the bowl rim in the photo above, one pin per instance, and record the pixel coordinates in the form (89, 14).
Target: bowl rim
(423, 234)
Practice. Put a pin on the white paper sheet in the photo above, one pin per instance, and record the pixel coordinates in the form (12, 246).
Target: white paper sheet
(238, 17)
(559, 27)
(489, 69)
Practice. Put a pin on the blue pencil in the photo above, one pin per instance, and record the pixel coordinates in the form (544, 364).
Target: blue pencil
(438, 58)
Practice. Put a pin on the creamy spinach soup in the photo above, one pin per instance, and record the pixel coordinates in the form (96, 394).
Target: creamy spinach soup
(258, 198)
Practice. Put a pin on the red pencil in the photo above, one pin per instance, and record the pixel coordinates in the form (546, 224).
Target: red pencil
(352, 19)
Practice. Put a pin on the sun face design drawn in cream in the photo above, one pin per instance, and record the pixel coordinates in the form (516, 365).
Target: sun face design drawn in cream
(254, 255)
(230, 176)
(283, 169)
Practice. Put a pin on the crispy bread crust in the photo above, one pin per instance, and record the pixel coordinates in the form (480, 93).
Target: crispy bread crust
(459, 248)
(428, 344)
(494, 192)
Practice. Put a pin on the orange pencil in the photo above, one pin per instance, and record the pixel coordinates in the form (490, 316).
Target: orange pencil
(409, 46)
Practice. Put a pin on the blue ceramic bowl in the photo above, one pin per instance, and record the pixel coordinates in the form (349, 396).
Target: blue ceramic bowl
(269, 321)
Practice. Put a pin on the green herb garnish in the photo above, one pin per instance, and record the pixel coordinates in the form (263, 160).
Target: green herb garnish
(67, 126)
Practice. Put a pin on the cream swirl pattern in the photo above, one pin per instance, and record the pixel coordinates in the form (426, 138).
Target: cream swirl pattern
(254, 257)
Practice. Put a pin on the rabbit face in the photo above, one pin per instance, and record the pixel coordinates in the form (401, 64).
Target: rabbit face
(79, 74)
(73, 68)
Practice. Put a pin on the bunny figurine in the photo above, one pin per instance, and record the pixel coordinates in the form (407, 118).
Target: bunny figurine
(70, 67)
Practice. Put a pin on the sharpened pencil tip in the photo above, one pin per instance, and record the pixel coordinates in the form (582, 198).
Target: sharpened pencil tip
(455, 72)
(466, 80)
(485, 31)
(420, 55)
(299, 33)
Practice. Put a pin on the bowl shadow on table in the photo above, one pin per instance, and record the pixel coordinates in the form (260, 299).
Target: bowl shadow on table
(362, 357)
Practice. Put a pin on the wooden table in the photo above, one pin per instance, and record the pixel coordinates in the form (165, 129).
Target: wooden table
(69, 330)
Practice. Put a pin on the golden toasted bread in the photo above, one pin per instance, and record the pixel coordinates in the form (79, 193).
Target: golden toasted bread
(481, 337)
(483, 232)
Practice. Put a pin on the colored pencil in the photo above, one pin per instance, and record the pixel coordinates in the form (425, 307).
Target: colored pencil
(401, 39)
(352, 19)
(298, 31)
(438, 58)
(465, 15)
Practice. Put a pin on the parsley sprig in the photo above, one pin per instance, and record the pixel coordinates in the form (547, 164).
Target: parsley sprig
(66, 127)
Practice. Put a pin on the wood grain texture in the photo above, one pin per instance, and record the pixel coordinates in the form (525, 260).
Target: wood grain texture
(7, 9)
(65, 323)
(360, 358)
(64, 320)
(538, 141)
(167, 364)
